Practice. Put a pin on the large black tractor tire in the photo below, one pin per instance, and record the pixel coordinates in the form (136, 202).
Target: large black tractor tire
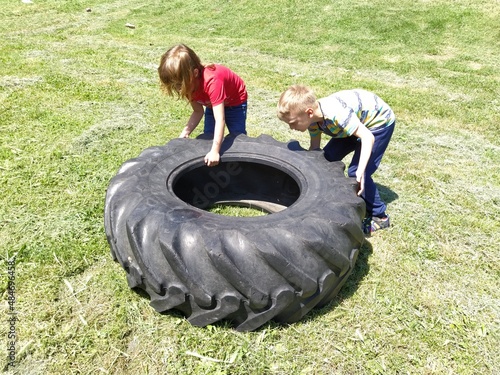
(247, 270)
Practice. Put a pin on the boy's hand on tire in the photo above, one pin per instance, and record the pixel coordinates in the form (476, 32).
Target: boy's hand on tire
(361, 184)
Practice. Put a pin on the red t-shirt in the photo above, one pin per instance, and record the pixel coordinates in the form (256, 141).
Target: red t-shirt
(220, 85)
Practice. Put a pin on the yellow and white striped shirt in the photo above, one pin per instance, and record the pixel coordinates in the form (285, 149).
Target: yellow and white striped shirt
(344, 110)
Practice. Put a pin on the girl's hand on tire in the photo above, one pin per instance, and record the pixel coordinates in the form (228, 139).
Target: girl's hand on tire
(184, 134)
(212, 159)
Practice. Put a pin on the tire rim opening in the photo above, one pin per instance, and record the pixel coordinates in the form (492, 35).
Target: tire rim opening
(255, 186)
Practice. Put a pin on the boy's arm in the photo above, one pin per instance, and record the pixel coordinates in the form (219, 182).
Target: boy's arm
(315, 141)
(213, 157)
(194, 119)
(367, 140)
(315, 135)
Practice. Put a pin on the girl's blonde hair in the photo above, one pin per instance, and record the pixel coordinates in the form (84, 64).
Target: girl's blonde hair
(296, 98)
(176, 71)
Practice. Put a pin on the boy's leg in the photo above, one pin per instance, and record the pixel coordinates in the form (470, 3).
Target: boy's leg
(236, 118)
(337, 148)
(374, 204)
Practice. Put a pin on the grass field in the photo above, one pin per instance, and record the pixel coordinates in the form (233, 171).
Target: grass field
(79, 95)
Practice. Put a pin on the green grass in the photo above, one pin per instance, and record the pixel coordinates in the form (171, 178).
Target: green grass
(79, 96)
(236, 211)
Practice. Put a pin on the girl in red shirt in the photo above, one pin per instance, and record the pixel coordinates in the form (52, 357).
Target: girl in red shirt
(212, 90)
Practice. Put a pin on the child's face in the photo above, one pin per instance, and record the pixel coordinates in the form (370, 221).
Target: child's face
(299, 120)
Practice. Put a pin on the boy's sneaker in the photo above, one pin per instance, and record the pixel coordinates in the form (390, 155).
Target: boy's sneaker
(374, 223)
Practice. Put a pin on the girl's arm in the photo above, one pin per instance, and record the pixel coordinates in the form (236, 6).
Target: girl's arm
(213, 157)
(367, 140)
(194, 119)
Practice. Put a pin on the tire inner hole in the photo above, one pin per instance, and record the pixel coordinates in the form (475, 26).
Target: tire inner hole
(258, 187)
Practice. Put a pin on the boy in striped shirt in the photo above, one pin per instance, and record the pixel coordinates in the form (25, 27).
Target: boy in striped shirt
(358, 121)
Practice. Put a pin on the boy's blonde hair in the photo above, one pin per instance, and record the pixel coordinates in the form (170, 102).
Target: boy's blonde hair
(176, 71)
(296, 98)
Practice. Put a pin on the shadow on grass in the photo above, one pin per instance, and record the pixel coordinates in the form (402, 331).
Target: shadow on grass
(387, 194)
(361, 269)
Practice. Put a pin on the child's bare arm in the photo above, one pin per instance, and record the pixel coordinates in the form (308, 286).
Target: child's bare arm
(213, 157)
(194, 119)
(315, 142)
(367, 140)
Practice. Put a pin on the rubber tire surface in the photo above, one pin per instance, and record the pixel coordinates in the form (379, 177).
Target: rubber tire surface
(247, 270)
